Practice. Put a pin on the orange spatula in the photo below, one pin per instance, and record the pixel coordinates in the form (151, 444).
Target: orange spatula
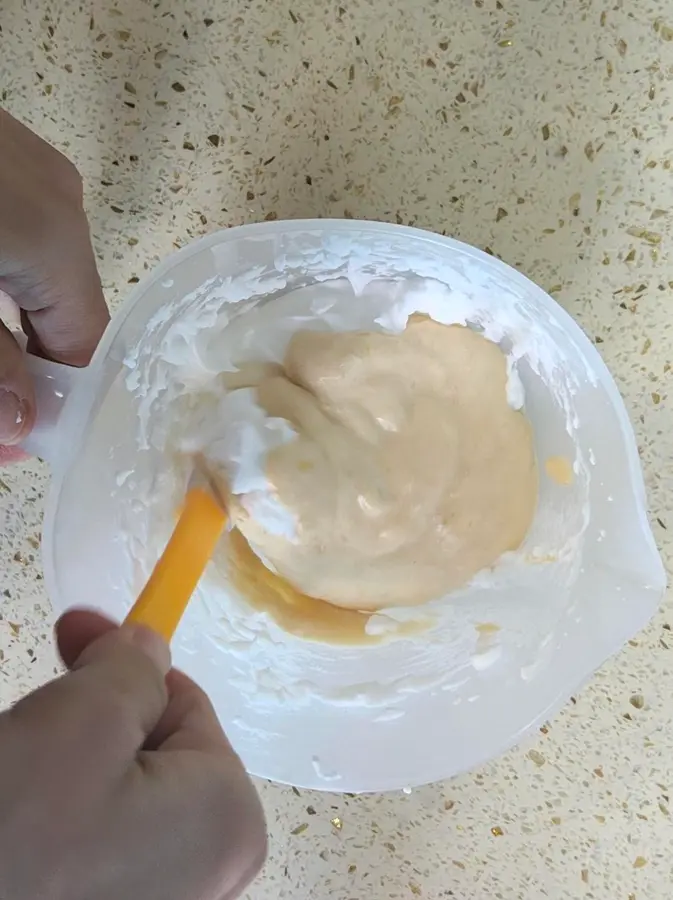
(165, 596)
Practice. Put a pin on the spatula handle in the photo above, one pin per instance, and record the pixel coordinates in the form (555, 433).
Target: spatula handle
(165, 596)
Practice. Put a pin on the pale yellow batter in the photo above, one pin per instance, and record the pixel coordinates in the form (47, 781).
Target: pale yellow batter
(410, 472)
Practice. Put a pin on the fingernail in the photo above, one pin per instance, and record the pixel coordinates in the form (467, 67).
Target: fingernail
(152, 644)
(13, 415)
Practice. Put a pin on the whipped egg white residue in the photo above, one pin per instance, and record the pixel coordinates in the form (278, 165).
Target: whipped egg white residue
(178, 375)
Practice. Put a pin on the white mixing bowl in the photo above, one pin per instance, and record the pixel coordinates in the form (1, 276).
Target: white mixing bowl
(406, 712)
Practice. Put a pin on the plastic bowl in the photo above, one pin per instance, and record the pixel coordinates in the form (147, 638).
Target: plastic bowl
(423, 722)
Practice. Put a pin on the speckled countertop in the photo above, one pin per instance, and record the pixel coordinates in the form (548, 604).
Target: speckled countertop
(537, 128)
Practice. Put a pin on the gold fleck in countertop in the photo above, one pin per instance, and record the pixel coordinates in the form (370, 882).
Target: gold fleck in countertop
(537, 129)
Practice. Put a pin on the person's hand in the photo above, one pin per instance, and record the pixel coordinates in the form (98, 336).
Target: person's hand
(47, 268)
(116, 780)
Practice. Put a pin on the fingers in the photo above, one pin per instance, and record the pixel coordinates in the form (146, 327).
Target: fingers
(17, 400)
(47, 263)
(128, 665)
(191, 777)
(25, 148)
(65, 311)
(221, 802)
(78, 628)
(112, 699)
(136, 645)
(188, 722)
(47, 267)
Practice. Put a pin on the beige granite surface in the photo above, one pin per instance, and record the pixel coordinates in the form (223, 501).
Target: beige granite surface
(540, 129)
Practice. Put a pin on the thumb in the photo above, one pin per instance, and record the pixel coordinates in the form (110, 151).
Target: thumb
(126, 668)
(127, 641)
(109, 702)
(17, 400)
